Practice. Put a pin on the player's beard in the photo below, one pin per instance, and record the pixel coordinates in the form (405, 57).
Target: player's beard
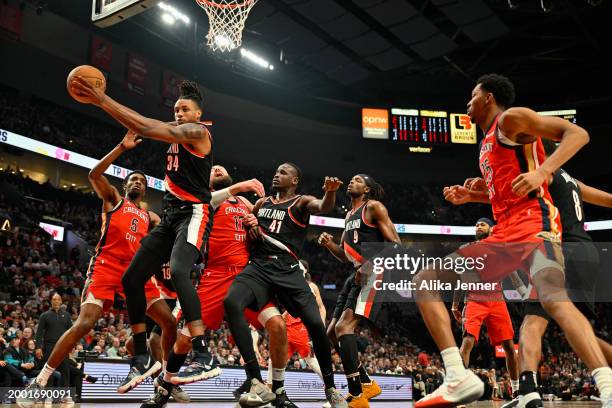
(133, 195)
(220, 183)
(480, 235)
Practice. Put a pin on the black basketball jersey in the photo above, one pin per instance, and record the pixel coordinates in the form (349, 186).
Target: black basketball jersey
(187, 174)
(356, 232)
(283, 233)
(567, 197)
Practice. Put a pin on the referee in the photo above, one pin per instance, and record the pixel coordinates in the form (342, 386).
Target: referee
(52, 324)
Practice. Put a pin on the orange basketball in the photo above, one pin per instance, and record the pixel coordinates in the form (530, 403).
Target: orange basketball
(91, 74)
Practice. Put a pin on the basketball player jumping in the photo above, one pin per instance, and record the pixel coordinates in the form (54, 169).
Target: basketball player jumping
(183, 230)
(227, 255)
(516, 173)
(367, 222)
(124, 224)
(278, 225)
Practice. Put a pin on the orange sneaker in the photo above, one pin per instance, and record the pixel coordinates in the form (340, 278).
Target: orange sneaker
(360, 401)
(371, 390)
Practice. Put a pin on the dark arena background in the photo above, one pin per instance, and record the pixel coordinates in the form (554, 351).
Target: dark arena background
(339, 87)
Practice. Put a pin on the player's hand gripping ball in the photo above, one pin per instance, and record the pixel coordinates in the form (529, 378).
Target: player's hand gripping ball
(86, 84)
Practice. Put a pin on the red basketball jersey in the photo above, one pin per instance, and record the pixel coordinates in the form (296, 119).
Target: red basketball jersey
(227, 244)
(501, 163)
(122, 229)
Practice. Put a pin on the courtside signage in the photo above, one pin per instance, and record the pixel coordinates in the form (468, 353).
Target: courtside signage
(375, 123)
(300, 385)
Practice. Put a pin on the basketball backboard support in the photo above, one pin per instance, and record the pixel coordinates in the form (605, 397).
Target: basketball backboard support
(105, 13)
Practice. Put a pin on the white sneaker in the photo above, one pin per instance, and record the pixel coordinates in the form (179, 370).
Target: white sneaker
(468, 389)
(258, 395)
(327, 404)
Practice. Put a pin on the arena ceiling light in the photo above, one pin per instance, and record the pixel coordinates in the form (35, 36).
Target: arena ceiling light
(172, 14)
(168, 19)
(256, 59)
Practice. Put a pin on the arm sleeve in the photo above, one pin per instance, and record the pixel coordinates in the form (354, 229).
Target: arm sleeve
(217, 197)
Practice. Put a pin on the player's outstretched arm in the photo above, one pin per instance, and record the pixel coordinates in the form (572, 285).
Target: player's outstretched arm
(523, 125)
(192, 133)
(595, 196)
(103, 188)
(327, 203)
(253, 185)
(327, 240)
(380, 215)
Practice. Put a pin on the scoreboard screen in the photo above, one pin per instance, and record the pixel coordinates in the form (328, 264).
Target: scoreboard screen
(419, 126)
(568, 114)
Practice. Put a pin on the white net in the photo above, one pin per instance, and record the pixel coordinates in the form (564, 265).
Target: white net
(226, 19)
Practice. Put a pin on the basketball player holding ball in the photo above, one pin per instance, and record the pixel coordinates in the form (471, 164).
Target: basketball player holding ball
(186, 217)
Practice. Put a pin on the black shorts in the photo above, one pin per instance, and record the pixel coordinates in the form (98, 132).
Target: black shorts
(152, 327)
(364, 300)
(279, 276)
(581, 272)
(180, 225)
(347, 292)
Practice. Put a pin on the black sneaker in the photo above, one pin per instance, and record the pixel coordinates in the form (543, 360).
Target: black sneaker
(282, 400)
(141, 366)
(531, 400)
(161, 396)
(177, 393)
(245, 387)
(202, 367)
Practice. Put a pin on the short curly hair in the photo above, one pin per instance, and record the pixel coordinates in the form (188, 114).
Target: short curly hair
(501, 88)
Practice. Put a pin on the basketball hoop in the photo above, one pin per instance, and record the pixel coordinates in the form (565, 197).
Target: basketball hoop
(226, 19)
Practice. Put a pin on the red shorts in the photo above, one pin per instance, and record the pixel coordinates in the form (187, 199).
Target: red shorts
(213, 288)
(527, 239)
(104, 281)
(297, 337)
(494, 314)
